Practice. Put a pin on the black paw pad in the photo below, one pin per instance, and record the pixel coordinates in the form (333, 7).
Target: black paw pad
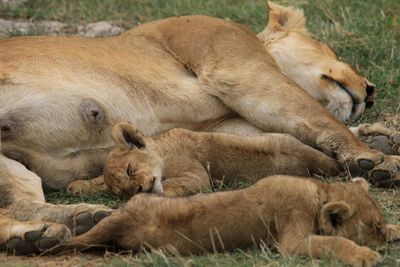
(380, 175)
(396, 138)
(33, 236)
(365, 164)
(83, 223)
(48, 242)
(381, 143)
(100, 215)
(389, 183)
(17, 246)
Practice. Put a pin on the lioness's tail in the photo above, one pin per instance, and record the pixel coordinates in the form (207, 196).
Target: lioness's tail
(99, 235)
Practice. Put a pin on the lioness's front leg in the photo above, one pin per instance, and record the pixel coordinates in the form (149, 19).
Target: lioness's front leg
(236, 69)
(251, 93)
(344, 249)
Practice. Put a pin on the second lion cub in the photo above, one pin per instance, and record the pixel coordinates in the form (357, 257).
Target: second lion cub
(180, 162)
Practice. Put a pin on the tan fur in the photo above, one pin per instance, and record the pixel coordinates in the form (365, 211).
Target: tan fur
(23, 211)
(313, 65)
(192, 72)
(61, 97)
(16, 229)
(299, 216)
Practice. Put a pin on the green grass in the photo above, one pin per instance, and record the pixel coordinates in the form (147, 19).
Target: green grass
(365, 34)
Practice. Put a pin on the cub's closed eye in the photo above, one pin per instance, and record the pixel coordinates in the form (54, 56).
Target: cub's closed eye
(129, 170)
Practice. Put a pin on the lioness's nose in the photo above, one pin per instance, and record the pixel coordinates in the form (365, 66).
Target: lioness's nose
(370, 99)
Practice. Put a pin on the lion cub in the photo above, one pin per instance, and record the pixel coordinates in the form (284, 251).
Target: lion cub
(297, 215)
(180, 162)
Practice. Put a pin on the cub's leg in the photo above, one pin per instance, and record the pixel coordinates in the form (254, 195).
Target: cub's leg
(31, 237)
(191, 180)
(264, 97)
(379, 137)
(87, 187)
(344, 249)
(22, 199)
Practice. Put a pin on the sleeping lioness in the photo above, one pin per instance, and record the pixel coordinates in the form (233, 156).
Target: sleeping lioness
(296, 215)
(61, 97)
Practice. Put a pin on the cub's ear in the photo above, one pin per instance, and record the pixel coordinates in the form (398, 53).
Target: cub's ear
(128, 135)
(285, 18)
(361, 182)
(331, 216)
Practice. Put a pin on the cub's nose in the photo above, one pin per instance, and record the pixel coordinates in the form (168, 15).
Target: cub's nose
(370, 99)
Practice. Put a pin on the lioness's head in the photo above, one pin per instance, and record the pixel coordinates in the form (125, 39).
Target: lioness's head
(313, 65)
(134, 165)
(352, 213)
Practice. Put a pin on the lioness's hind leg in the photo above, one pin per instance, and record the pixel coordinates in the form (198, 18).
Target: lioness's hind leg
(22, 238)
(379, 137)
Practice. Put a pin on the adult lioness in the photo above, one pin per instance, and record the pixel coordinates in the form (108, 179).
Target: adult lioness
(298, 216)
(61, 96)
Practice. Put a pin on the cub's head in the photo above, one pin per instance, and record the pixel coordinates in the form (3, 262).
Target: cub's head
(134, 165)
(353, 214)
(313, 65)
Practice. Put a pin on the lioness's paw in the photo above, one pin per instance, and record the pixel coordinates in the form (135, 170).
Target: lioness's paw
(33, 238)
(86, 219)
(387, 173)
(364, 257)
(379, 137)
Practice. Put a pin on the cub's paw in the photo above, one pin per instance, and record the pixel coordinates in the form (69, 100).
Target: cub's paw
(85, 188)
(88, 217)
(386, 173)
(364, 257)
(379, 137)
(36, 238)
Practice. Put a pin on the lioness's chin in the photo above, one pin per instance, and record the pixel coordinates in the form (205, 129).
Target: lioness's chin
(343, 107)
(357, 111)
(347, 112)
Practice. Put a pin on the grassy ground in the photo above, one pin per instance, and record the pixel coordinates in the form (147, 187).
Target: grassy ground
(364, 33)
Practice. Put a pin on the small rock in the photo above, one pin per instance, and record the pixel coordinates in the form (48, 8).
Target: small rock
(5, 27)
(17, 27)
(99, 29)
(21, 27)
(53, 27)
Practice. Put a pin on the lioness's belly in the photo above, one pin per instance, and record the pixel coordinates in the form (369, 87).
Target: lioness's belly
(60, 98)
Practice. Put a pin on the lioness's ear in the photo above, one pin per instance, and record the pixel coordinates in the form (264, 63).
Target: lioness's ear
(285, 18)
(128, 135)
(332, 215)
(361, 182)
